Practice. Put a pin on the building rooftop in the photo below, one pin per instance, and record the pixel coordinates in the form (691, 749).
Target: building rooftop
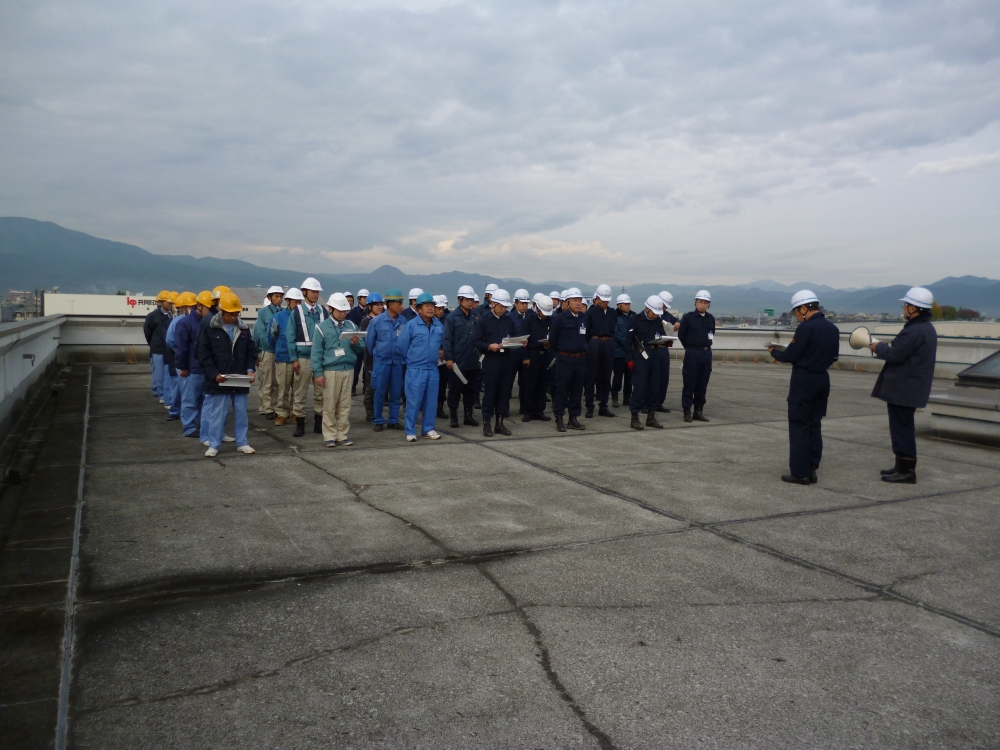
(608, 589)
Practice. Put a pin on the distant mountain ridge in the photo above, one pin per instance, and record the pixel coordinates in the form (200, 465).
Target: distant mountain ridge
(38, 254)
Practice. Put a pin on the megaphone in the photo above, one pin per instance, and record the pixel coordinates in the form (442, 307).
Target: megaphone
(861, 338)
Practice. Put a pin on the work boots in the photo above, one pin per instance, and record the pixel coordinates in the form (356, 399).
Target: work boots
(893, 470)
(300, 427)
(470, 420)
(487, 431)
(605, 412)
(560, 427)
(907, 473)
(651, 421)
(687, 415)
(614, 401)
(441, 414)
(698, 416)
(499, 428)
(453, 415)
(280, 421)
(574, 423)
(636, 422)
(590, 412)
(318, 424)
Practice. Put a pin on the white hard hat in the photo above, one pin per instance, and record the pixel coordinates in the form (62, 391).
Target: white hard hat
(338, 301)
(623, 299)
(919, 297)
(467, 291)
(603, 292)
(294, 293)
(655, 303)
(554, 295)
(311, 284)
(667, 297)
(521, 295)
(415, 292)
(349, 293)
(803, 298)
(362, 293)
(574, 292)
(543, 303)
(475, 297)
(440, 300)
(704, 294)
(502, 297)
(564, 295)
(275, 290)
(490, 288)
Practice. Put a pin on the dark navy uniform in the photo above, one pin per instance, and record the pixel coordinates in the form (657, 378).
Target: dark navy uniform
(622, 380)
(600, 353)
(536, 373)
(459, 332)
(408, 314)
(497, 366)
(568, 334)
(815, 346)
(696, 333)
(664, 353)
(646, 362)
(517, 373)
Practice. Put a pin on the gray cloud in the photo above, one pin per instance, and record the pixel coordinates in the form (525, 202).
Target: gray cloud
(472, 134)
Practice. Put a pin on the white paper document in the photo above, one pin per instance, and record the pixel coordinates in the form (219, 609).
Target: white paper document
(779, 347)
(458, 373)
(236, 381)
(348, 335)
(512, 342)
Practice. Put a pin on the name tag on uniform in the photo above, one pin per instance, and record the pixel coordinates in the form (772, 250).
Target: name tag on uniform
(583, 330)
(645, 356)
(339, 352)
(711, 336)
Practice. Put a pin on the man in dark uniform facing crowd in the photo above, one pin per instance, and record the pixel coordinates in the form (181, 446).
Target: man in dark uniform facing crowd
(696, 331)
(601, 320)
(814, 347)
(491, 330)
(568, 334)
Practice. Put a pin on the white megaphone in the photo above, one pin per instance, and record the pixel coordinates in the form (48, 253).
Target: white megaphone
(861, 338)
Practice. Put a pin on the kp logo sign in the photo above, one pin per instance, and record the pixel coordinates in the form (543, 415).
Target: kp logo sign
(131, 301)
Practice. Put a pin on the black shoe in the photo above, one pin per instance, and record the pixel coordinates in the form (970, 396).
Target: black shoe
(300, 427)
(893, 470)
(698, 416)
(614, 401)
(590, 412)
(369, 418)
(643, 411)
(813, 479)
(478, 405)
(651, 421)
(574, 424)
(441, 414)
(318, 424)
(687, 415)
(526, 418)
(270, 415)
(662, 409)
(354, 392)
(560, 427)
(500, 428)
(792, 479)
(626, 400)
(487, 431)
(379, 427)
(542, 417)
(907, 472)
(453, 415)
(470, 420)
(172, 418)
(605, 412)
(395, 426)
(636, 422)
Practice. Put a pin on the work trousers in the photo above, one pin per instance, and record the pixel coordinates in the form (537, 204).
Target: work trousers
(358, 366)
(300, 390)
(267, 383)
(191, 402)
(622, 380)
(368, 394)
(337, 403)
(903, 430)
(696, 371)
(421, 395)
(216, 412)
(156, 362)
(387, 380)
(645, 381)
(466, 392)
(808, 393)
(284, 379)
(174, 394)
(497, 371)
(600, 365)
(571, 372)
(442, 393)
(661, 394)
(535, 382)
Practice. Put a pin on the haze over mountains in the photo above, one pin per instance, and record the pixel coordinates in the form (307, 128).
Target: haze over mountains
(36, 254)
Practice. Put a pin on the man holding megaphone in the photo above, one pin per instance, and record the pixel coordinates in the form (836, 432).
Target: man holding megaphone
(815, 346)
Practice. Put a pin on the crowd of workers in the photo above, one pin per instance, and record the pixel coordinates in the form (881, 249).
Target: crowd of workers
(563, 349)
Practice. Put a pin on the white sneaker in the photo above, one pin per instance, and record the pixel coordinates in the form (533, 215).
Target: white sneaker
(211, 453)
(246, 449)
(227, 439)
(161, 400)
(432, 435)
(205, 443)
(411, 438)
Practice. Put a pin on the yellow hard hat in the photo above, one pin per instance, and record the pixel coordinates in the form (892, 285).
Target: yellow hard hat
(219, 291)
(205, 298)
(172, 297)
(187, 299)
(230, 303)
(164, 295)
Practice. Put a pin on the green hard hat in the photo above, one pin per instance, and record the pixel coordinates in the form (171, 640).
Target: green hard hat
(394, 295)
(425, 297)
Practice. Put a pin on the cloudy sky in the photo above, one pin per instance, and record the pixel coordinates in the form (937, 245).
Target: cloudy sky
(847, 143)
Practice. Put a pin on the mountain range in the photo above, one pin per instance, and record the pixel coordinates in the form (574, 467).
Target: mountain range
(42, 255)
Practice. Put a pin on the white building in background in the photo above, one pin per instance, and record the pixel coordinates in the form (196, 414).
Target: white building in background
(134, 305)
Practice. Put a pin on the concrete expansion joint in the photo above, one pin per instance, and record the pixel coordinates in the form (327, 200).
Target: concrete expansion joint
(703, 605)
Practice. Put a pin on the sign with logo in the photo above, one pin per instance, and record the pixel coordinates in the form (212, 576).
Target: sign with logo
(769, 312)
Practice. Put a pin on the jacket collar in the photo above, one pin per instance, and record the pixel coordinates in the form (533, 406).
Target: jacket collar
(922, 318)
(217, 322)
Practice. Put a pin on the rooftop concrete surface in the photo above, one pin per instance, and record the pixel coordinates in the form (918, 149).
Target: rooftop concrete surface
(604, 589)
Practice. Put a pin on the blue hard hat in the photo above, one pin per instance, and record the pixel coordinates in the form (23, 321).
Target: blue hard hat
(425, 297)
(374, 297)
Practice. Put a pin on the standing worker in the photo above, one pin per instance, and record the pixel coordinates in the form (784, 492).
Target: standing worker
(267, 385)
(411, 312)
(373, 308)
(497, 366)
(622, 380)
(671, 323)
(645, 336)
(568, 334)
(441, 312)
(155, 330)
(225, 347)
(284, 357)
(814, 347)
(419, 345)
(182, 306)
(356, 315)
(696, 331)
(536, 360)
(332, 362)
(299, 335)
(387, 364)
(459, 331)
(188, 368)
(601, 320)
(906, 379)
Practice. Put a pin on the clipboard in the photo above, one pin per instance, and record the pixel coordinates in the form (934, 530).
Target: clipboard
(513, 342)
(779, 347)
(235, 381)
(348, 335)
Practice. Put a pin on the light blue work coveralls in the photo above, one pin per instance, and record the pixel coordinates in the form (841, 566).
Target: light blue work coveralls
(419, 344)
(387, 364)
